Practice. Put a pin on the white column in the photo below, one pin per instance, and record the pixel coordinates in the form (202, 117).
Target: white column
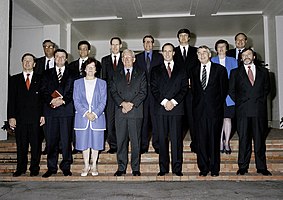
(4, 46)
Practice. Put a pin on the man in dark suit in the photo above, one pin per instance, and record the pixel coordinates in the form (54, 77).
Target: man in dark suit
(249, 87)
(25, 115)
(47, 61)
(169, 87)
(209, 90)
(110, 64)
(128, 89)
(57, 89)
(186, 56)
(84, 51)
(147, 60)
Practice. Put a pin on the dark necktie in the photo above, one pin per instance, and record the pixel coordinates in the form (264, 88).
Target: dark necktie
(128, 76)
(251, 75)
(115, 63)
(47, 65)
(184, 53)
(203, 78)
(59, 75)
(239, 55)
(28, 81)
(147, 61)
(169, 70)
(81, 69)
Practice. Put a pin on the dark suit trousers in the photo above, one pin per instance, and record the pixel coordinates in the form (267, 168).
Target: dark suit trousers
(189, 119)
(208, 133)
(250, 128)
(110, 122)
(28, 134)
(128, 128)
(149, 119)
(59, 131)
(170, 128)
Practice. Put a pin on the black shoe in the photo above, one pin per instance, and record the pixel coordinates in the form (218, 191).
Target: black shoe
(214, 174)
(242, 171)
(203, 173)
(112, 151)
(18, 173)
(75, 151)
(178, 173)
(161, 173)
(264, 172)
(143, 151)
(48, 174)
(67, 173)
(136, 173)
(156, 151)
(119, 173)
(34, 173)
(44, 152)
(228, 149)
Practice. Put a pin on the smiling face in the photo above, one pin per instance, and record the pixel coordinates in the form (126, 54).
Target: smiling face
(241, 41)
(221, 49)
(84, 51)
(168, 53)
(248, 57)
(60, 59)
(90, 69)
(203, 55)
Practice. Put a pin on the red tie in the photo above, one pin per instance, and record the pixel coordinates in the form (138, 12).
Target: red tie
(250, 75)
(169, 70)
(115, 63)
(28, 81)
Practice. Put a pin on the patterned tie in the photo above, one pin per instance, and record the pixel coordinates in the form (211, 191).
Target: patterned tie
(28, 81)
(203, 78)
(59, 75)
(169, 70)
(250, 75)
(184, 53)
(147, 61)
(115, 63)
(47, 65)
(128, 76)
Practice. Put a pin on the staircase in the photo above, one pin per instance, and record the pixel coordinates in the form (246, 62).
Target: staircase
(149, 165)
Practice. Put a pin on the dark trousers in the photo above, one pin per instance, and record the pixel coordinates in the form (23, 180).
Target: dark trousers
(128, 128)
(110, 123)
(59, 132)
(28, 134)
(170, 128)
(149, 120)
(189, 120)
(252, 128)
(208, 132)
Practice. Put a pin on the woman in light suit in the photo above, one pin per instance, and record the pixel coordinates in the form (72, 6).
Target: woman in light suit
(221, 46)
(89, 96)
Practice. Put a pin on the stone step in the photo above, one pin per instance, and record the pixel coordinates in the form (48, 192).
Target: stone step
(191, 176)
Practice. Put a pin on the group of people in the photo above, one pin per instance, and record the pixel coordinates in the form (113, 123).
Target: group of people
(128, 97)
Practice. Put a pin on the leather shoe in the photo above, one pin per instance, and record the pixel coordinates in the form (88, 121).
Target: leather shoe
(143, 151)
(119, 173)
(214, 174)
(48, 174)
(44, 152)
(75, 151)
(202, 173)
(136, 173)
(112, 151)
(67, 173)
(156, 151)
(34, 173)
(161, 173)
(242, 171)
(264, 172)
(178, 173)
(18, 173)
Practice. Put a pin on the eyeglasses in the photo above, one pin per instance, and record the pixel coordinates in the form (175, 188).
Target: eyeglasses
(48, 47)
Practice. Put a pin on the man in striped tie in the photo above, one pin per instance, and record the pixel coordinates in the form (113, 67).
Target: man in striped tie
(209, 87)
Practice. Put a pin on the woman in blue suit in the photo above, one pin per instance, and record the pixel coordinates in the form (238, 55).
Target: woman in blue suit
(221, 46)
(89, 99)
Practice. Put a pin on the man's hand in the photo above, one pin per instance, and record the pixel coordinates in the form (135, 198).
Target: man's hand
(127, 106)
(169, 105)
(41, 121)
(12, 123)
(56, 102)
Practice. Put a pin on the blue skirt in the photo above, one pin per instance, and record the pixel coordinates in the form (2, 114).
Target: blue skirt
(89, 139)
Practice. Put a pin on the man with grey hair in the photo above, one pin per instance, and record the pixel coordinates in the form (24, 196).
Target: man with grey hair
(128, 89)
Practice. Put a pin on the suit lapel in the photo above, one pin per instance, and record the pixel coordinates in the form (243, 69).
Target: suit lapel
(244, 76)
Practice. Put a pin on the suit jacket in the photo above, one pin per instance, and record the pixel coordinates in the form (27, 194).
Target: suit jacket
(76, 71)
(40, 65)
(163, 87)
(107, 67)
(230, 63)
(97, 105)
(233, 52)
(134, 92)
(209, 102)
(191, 59)
(156, 59)
(25, 105)
(251, 101)
(50, 83)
